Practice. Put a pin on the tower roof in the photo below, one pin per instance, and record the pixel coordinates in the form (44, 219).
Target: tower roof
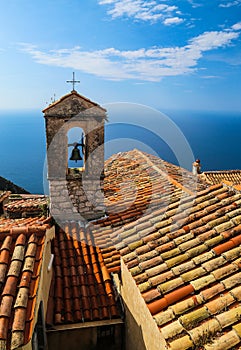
(71, 103)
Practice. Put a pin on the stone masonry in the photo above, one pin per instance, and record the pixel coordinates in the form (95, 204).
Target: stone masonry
(75, 195)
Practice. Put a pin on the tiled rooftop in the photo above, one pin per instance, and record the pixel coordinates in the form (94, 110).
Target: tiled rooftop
(4, 195)
(135, 185)
(179, 174)
(21, 248)
(184, 254)
(82, 289)
(215, 177)
(179, 237)
(26, 205)
(134, 173)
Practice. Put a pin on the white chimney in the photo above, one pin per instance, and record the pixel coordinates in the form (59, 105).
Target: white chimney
(196, 167)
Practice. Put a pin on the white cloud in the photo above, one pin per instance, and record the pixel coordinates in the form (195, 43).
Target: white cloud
(104, 2)
(145, 10)
(230, 4)
(143, 64)
(210, 77)
(194, 4)
(212, 40)
(172, 20)
(237, 26)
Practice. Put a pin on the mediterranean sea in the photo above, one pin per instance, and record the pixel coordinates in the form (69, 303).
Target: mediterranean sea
(213, 137)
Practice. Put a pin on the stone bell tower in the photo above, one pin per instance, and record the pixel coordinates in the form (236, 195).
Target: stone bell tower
(75, 193)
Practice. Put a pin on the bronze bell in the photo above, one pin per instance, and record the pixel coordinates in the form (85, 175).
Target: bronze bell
(75, 155)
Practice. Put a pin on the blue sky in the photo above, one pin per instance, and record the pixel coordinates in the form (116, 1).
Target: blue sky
(166, 54)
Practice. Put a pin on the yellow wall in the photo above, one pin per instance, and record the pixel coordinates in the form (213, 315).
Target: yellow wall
(45, 280)
(141, 330)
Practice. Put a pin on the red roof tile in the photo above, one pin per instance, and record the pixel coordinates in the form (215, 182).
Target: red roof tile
(4, 195)
(215, 177)
(82, 289)
(26, 206)
(17, 306)
(179, 238)
(183, 250)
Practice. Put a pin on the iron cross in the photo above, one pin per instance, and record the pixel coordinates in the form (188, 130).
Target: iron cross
(73, 81)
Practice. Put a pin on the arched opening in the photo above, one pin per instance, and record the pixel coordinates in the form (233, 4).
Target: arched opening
(76, 150)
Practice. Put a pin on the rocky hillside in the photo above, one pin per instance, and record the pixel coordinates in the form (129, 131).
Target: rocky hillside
(6, 185)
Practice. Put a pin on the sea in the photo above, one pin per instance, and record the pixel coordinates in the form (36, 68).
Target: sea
(176, 136)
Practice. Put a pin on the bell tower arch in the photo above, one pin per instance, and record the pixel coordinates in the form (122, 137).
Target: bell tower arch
(75, 192)
(76, 149)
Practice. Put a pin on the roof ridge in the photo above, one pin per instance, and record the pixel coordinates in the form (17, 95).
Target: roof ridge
(221, 171)
(231, 185)
(62, 98)
(174, 182)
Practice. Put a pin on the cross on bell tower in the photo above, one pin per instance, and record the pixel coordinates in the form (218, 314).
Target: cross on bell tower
(73, 81)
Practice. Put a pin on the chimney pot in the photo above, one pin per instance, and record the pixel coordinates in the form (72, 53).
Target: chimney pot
(196, 167)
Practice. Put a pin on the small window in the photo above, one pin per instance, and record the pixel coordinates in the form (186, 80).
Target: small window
(105, 337)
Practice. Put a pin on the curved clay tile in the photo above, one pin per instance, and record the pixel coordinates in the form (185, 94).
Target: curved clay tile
(6, 243)
(4, 257)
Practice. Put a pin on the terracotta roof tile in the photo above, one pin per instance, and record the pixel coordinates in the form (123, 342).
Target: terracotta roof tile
(4, 195)
(10, 286)
(188, 304)
(181, 343)
(221, 303)
(26, 206)
(172, 330)
(16, 243)
(3, 272)
(82, 285)
(182, 247)
(229, 317)
(4, 321)
(229, 340)
(191, 319)
(6, 305)
(236, 292)
(214, 177)
(205, 331)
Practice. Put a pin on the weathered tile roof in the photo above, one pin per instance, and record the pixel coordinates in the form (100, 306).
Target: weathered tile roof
(128, 173)
(198, 261)
(21, 248)
(28, 225)
(25, 205)
(82, 289)
(4, 195)
(184, 254)
(179, 174)
(216, 177)
(179, 237)
(135, 185)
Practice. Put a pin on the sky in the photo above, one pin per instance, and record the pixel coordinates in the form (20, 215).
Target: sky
(165, 54)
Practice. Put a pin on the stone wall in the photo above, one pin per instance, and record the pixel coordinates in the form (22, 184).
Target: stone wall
(75, 195)
(70, 200)
(44, 283)
(87, 197)
(57, 145)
